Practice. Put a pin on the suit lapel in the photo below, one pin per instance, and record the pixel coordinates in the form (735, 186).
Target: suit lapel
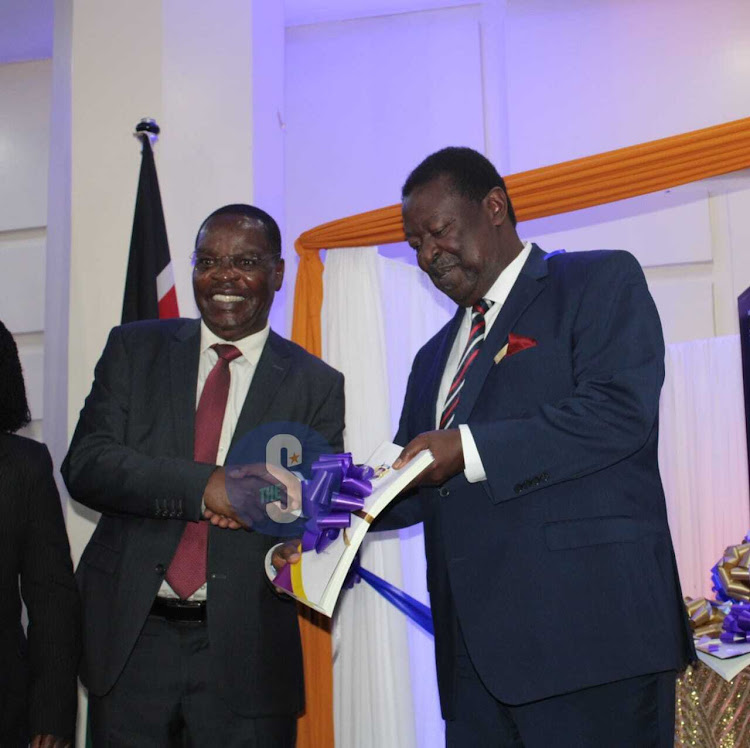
(272, 370)
(184, 354)
(530, 283)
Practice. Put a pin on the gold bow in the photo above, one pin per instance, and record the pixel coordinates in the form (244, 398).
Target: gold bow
(734, 572)
(706, 618)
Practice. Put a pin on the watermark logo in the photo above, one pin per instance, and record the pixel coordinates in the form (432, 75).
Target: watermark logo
(264, 473)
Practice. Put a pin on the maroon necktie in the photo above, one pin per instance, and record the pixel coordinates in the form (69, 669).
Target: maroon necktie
(473, 346)
(187, 572)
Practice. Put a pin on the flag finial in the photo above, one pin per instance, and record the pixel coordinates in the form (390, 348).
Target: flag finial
(149, 128)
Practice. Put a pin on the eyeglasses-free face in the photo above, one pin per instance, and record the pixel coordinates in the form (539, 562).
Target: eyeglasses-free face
(235, 276)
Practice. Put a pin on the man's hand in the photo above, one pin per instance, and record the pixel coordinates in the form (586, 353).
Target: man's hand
(49, 741)
(219, 511)
(292, 510)
(260, 496)
(286, 553)
(446, 448)
(257, 497)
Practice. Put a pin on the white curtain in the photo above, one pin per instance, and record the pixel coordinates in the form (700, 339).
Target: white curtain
(703, 455)
(372, 692)
(377, 313)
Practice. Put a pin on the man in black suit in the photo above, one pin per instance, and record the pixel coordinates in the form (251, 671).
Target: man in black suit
(38, 681)
(555, 597)
(166, 663)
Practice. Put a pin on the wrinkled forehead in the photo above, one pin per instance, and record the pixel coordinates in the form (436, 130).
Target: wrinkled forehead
(232, 231)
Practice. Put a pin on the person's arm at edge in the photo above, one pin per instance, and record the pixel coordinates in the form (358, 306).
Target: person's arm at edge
(51, 597)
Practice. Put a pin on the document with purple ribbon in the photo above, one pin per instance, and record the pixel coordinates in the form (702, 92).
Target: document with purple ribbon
(340, 502)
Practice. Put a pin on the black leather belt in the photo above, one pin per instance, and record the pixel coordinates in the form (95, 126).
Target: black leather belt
(179, 610)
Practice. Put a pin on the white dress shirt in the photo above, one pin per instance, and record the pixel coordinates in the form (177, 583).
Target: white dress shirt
(498, 294)
(242, 370)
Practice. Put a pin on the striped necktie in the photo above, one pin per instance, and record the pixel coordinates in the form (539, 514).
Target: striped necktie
(473, 346)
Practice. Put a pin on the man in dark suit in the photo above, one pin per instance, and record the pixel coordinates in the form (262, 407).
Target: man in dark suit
(184, 645)
(555, 597)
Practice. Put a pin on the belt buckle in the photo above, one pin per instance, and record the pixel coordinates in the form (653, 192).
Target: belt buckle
(184, 611)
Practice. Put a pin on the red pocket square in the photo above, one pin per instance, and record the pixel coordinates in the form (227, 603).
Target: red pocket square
(518, 343)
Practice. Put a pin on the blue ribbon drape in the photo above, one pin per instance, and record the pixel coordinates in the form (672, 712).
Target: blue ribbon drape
(416, 611)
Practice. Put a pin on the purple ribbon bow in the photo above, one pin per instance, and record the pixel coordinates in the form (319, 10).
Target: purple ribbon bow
(337, 488)
(737, 624)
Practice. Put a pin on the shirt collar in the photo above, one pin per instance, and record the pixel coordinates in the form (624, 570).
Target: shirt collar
(250, 346)
(502, 286)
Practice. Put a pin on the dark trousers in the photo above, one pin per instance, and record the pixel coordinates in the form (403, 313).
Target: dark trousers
(633, 713)
(13, 715)
(165, 699)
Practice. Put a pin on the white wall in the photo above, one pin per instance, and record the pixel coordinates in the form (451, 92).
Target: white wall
(556, 81)
(24, 147)
(26, 30)
(367, 98)
(269, 117)
(585, 77)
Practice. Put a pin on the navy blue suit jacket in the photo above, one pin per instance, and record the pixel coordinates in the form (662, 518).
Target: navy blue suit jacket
(559, 567)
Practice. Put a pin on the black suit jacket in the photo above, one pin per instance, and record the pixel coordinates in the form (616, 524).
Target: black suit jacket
(559, 567)
(131, 459)
(38, 683)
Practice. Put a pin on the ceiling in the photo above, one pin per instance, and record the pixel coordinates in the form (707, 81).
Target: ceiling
(26, 25)
(26, 29)
(298, 12)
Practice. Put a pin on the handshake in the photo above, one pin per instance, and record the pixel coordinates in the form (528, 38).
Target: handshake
(268, 498)
(261, 496)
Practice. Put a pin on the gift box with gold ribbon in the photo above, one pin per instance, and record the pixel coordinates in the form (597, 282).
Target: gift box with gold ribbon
(731, 574)
(706, 617)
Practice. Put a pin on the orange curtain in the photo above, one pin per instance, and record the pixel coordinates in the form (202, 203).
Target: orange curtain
(572, 185)
(315, 726)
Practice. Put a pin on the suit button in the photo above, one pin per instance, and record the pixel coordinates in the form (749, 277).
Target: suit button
(159, 569)
(443, 491)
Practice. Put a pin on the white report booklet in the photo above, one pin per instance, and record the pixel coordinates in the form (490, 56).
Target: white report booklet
(317, 578)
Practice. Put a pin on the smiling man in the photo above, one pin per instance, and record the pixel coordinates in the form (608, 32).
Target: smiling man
(185, 642)
(555, 598)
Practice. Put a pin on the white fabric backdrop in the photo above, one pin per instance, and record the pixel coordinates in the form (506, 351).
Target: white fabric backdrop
(372, 693)
(377, 313)
(703, 455)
